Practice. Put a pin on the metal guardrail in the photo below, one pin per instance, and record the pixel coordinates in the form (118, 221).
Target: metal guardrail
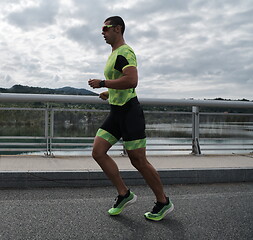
(18, 97)
(49, 143)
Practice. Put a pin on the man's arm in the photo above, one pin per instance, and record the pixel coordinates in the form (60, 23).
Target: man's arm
(128, 80)
(104, 95)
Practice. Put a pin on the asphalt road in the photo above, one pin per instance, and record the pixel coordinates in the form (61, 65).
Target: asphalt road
(213, 211)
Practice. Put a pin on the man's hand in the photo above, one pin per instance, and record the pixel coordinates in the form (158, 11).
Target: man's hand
(104, 95)
(94, 83)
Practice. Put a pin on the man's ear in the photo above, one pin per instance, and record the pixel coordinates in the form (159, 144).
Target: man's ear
(118, 29)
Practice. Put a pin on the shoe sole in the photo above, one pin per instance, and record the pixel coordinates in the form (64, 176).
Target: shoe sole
(133, 200)
(169, 210)
(164, 215)
(130, 202)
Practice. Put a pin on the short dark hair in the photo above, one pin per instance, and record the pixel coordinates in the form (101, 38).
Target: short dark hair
(116, 20)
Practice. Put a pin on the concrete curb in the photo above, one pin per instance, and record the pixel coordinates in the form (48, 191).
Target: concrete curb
(41, 179)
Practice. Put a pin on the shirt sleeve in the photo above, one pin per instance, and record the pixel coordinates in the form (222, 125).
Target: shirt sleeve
(120, 63)
(125, 58)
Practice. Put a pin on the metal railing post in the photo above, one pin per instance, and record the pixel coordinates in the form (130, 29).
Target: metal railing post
(124, 153)
(49, 129)
(195, 131)
(46, 131)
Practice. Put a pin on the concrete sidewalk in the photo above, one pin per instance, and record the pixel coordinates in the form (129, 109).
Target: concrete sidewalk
(79, 163)
(39, 171)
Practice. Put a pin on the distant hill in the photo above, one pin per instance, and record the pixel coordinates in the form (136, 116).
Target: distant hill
(38, 90)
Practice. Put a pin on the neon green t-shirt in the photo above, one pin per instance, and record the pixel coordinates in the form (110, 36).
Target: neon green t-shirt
(120, 59)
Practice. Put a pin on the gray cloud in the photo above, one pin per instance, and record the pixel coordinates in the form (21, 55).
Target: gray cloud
(185, 48)
(33, 17)
(7, 78)
(79, 34)
(84, 36)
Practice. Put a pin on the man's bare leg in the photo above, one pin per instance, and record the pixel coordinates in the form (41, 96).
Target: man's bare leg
(140, 162)
(110, 168)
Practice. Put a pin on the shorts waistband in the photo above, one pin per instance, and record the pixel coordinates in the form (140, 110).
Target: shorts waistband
(131, 102)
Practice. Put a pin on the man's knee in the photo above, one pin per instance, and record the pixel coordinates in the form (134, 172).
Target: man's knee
(97, 153)
(139, 162)
(100, 148)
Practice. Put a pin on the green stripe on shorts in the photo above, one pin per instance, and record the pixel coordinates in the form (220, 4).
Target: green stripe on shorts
(135, 144)
(106, 136)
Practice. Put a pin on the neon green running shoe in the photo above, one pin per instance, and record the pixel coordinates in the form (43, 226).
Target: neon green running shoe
(122, 202)
(159, 211)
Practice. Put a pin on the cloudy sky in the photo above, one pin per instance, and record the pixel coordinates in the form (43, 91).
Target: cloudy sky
(185, 48)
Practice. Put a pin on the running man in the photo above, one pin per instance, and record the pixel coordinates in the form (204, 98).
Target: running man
(126, 121)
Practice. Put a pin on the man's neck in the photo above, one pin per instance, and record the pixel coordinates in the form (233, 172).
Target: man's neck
(118, 44)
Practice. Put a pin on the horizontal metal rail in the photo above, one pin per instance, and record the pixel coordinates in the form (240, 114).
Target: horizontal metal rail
(22, 144)
(18, 97)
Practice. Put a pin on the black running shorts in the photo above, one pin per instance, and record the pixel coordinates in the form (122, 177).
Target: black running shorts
(126, 122)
